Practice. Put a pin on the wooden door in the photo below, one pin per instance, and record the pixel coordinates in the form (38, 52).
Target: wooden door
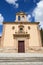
(21, 47)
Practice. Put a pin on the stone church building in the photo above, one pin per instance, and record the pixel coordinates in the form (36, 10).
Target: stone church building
(20, 36)
(20, 43)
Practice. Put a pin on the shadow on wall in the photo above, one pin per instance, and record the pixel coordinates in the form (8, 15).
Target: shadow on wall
(0, 40)
(41, 31)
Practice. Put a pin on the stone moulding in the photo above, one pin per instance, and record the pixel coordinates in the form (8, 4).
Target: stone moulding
(20, 22)
(21, 35)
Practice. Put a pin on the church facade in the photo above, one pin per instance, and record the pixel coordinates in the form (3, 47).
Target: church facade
(21, 35)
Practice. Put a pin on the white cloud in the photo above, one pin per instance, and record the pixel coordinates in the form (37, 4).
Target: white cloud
(1, 19)
(28, 17)
(38, 13)
(13, 2)
(0, 34)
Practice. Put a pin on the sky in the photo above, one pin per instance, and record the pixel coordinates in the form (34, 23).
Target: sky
(9, 8)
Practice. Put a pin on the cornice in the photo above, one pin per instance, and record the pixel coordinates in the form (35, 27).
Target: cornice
(20, 22)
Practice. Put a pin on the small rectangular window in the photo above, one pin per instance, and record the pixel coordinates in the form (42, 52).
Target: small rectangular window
(19, 18)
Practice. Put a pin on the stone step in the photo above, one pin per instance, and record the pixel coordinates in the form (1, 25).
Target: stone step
(32, 59)
(21, 57)
(21, 63)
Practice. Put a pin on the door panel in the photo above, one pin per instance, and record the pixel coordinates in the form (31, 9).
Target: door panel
(21, 47)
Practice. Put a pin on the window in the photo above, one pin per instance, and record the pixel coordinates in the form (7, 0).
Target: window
(13, 27)
(21, 29)
(29, 27)
(23, 16)
(19, 18)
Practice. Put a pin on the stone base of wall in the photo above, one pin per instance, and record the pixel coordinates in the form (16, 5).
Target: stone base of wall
(28, 50)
